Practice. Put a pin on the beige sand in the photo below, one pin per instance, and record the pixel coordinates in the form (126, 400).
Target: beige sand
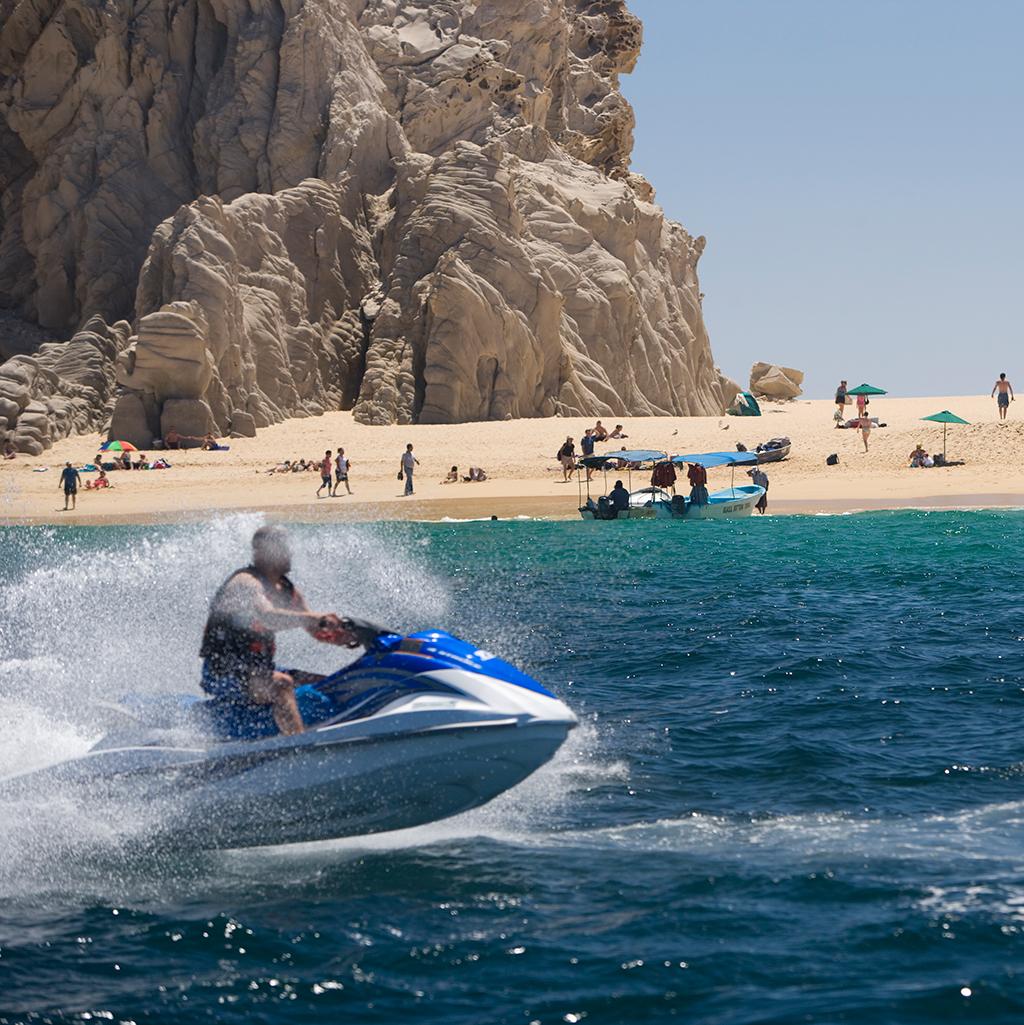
(519, 456)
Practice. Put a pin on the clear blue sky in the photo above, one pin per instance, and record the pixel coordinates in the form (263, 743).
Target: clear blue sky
(858, 170)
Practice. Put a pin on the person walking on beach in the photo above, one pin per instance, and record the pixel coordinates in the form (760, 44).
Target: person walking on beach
(326, 474)
(567, 457)
(409, 464)
(69, 479)
(1004, 396)
(341, 465)
(865, 425)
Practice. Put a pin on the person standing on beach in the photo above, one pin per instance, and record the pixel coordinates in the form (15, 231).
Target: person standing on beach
(841, 401)
(341, 465)
(567, 457)
(760, 478)
(587, 448)
(409, 464)
(1005, 395)
(69, 478)
(326, 474)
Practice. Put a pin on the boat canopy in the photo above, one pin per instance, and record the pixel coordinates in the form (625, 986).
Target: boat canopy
(641, 455)
(709, 459)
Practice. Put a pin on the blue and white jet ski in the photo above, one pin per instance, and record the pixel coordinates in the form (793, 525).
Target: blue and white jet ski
(417, 729)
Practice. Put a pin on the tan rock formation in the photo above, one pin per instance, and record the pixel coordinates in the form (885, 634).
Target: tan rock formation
(775, 382)
(419, 208)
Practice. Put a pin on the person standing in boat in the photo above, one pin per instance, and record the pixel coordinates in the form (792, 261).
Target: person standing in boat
(698, 478)
(249, 608)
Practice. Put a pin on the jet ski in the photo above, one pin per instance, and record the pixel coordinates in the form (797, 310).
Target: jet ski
(419, 728)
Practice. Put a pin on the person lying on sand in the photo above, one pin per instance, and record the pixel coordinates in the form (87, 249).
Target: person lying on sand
(99, 483)
(617, 433)
(476, 474)
(284, 467)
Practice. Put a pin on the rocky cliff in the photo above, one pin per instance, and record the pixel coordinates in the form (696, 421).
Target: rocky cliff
(419, 209)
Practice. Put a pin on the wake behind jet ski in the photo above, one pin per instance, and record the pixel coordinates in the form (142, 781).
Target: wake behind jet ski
(419, 728)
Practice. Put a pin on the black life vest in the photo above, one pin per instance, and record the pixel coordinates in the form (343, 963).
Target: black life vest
(232, 648)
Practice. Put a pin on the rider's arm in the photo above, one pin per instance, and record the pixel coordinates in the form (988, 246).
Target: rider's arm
(245, 598)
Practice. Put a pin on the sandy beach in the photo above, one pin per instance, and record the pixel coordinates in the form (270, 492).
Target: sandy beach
(525, 479)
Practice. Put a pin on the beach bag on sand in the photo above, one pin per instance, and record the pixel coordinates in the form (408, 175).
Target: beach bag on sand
(833, 460)
(399, 474)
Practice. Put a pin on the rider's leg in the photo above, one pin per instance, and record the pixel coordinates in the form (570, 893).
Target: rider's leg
(278, 691)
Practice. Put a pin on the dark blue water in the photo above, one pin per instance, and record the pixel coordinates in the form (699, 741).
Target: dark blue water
(797, 796)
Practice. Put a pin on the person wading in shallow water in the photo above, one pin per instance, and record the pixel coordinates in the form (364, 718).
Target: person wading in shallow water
(249, 608)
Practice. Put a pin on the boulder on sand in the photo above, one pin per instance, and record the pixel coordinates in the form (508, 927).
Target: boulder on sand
(190, 417)
(768, 380)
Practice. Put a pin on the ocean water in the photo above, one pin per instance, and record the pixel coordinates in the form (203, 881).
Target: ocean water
(797, 794)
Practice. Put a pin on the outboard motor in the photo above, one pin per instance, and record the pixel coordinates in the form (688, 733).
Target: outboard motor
(605, 509)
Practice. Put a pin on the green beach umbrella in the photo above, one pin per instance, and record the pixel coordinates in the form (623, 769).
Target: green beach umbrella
(118, 446)
(866, 389)
(945, 418)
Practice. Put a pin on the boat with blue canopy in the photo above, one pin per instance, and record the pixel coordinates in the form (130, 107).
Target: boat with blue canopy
(660, 499)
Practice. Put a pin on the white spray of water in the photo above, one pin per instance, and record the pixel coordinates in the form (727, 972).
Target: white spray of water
(89, 618)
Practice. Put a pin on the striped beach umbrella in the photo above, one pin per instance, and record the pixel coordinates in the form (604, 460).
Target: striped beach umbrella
(118, 446)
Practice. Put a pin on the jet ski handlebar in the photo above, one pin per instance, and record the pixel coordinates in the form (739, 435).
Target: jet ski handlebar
(363, 633)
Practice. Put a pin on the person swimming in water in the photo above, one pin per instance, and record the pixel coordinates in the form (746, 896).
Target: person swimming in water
(249, 608)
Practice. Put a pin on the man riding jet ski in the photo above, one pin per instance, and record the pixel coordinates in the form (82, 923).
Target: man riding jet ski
(419, 727)
(238, 642)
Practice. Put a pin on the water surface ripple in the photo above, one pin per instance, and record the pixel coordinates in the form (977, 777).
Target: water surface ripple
(796, 795)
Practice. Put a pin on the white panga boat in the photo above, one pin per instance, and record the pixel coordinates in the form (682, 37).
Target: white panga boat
(658, 501)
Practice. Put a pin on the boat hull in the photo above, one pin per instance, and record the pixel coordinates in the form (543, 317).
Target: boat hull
(727, 504)
(773, 455)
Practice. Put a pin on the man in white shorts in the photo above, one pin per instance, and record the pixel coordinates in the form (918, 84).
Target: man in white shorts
(341, 465)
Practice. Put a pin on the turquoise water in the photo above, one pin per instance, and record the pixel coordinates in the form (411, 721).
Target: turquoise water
(797, 794)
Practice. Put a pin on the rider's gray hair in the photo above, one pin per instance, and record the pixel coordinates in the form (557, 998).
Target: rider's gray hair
(270, 539)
